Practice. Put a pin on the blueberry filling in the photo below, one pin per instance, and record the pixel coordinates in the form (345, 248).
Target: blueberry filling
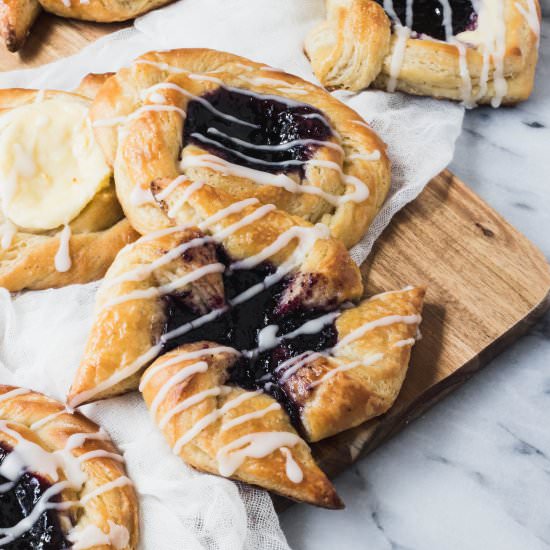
(251, 130)
(428, 16)
(17, 503)
(240, 326)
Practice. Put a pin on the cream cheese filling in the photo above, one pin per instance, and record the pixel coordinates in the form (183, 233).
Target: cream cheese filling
(50, 164)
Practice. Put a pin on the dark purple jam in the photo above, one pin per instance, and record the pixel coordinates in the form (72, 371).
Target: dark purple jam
(240, 325)
(18, 502)
(428, 16)
(252, 126)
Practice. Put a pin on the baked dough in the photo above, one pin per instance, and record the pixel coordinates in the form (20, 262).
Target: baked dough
(93, 502)
(16, 19)
(226, 430)
(358, 46)
(240, 299)
(97, 232)
(131, 313)
(218, 427)
(139, 120)
(18, 16)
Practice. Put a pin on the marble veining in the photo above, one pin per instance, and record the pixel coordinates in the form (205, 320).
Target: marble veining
(474, 472)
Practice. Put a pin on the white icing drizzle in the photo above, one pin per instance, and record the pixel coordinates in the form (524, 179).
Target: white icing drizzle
(447, 18)
(280, 146)
(176, 182)
(195, 186)
(254, 445)
(63, 256)
(100, 453)
(9, 230)
(404, 343)
(402, 34)
(40, 96)
(91, 536)
(268, 338)
(250, 416)
(13, 393)
(278, 180)
(29, 456)
(77, 440)
(9, 534)
(187, 403)
(296, 363)
(115, 484)
(293, 471)
(144, 271)
(43, 421)
(374, 155)
(117, 377)
(466, 87)
(115, 121)
(155, 292)
(201, 100)
(347, 366)
(174, 380)
(531, 16)
(183, 356)
(140, 196)
(389, 9)
(210, 418)
(371, 325)
(499, 49)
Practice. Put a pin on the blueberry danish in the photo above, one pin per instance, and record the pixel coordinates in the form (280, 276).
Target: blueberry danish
(62, 482)
(238, 312)
(482, 51)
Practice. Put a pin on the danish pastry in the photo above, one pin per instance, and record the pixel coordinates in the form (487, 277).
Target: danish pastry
(223, 429)
(62, 482)
(250, 131)
(475, 52)
(239, 297)
(18, 16)
(61, 222)
(232, 413)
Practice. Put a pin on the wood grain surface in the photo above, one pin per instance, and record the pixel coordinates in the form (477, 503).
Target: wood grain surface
(53, 37)
(487, 284)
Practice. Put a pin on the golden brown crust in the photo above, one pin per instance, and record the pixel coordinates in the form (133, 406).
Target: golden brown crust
(29, 262)
(125, 333)
(203, 451)
(17, 16)
(102, 11)
(21, 410)
(331, 403)
(90, 85)
(151, 142)
(16, 19)
(98, 231)
(343, 56)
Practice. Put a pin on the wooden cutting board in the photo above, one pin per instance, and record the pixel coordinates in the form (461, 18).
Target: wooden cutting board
(487, 284)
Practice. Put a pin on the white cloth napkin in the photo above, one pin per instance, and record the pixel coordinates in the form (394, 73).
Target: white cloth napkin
(42, 334)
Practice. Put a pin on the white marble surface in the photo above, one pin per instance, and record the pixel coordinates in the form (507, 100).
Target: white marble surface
(474, 472)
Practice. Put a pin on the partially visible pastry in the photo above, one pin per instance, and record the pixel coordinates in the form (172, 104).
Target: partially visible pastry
(60, 220)
(63, 483)
(16, 19)
(225, 430)
(243, 408)
(475, 52)
(244, 129)
(18, 16)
